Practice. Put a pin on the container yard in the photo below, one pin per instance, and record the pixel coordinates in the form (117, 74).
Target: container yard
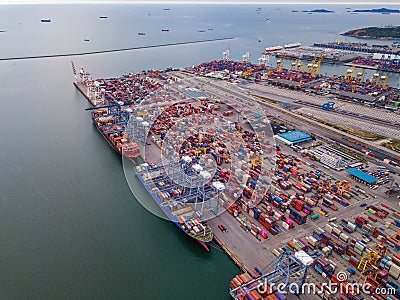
(377, 63)
(282, 212)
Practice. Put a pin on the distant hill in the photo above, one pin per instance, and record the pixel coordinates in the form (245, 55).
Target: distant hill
(392, 32)
(318, 11)
(378, 10)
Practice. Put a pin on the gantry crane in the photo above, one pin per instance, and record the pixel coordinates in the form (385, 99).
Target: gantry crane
(350, 73)
(317, 66)
(300, 66)
(383, 80)
(256, 162)
(360, 76)
(371, 259)
(343, 186)
(290, 269)
(295, 65)
(279, 63)
(310, 65)
(248, 72)
(200, 150)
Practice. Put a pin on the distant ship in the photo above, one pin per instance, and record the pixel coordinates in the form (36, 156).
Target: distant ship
(166, 9)
(103, 17)
(141, 33)
(165, 30)
(201, 31)
(86, 40)
(294, 45)
(210, 28)
(3, 30)
(273, 49)
(45, 20)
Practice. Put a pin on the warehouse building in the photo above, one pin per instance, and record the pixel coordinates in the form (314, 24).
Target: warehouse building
(361, 176)
(293, 137)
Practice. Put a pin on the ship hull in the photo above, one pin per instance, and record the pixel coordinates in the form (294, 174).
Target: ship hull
(132, 158)
(167, 213)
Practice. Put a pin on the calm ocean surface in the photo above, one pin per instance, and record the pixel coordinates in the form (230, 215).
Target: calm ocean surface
(69, 225)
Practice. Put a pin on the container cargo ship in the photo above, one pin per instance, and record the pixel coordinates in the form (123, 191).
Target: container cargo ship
(162, 190)
(114, 133)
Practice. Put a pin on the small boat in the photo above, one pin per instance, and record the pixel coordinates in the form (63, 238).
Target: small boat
(3, 30)
(210, 28)
(141, 33)
(45, 20)
(165, 30)
(166, 9)
(201, 31)
(86, 40)
(295, 11)
(103, 17)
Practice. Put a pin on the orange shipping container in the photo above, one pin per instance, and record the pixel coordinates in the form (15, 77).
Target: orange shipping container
(255, 295)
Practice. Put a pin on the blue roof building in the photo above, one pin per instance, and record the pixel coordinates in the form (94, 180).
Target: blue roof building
(293, 137)
(362, 176)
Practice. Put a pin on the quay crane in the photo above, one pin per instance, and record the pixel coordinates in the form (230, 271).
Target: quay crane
(263, 60)
(360, 76)
(300, 66)
(246, 57)
(295, 65)
(279, 63)
(225, 54)
(310, 65)
(289, 268)
(317, 66)
(350, 74)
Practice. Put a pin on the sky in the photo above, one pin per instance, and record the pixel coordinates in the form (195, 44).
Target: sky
(319, 2)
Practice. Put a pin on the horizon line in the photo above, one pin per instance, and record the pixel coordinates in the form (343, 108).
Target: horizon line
(196, 2)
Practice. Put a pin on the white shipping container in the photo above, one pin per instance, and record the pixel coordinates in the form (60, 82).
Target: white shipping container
(337, 231)
(312, 241)
(394, 271)
(285, 225)
(344, 237)
(245, 178)
(328, 228)
(275, 252)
